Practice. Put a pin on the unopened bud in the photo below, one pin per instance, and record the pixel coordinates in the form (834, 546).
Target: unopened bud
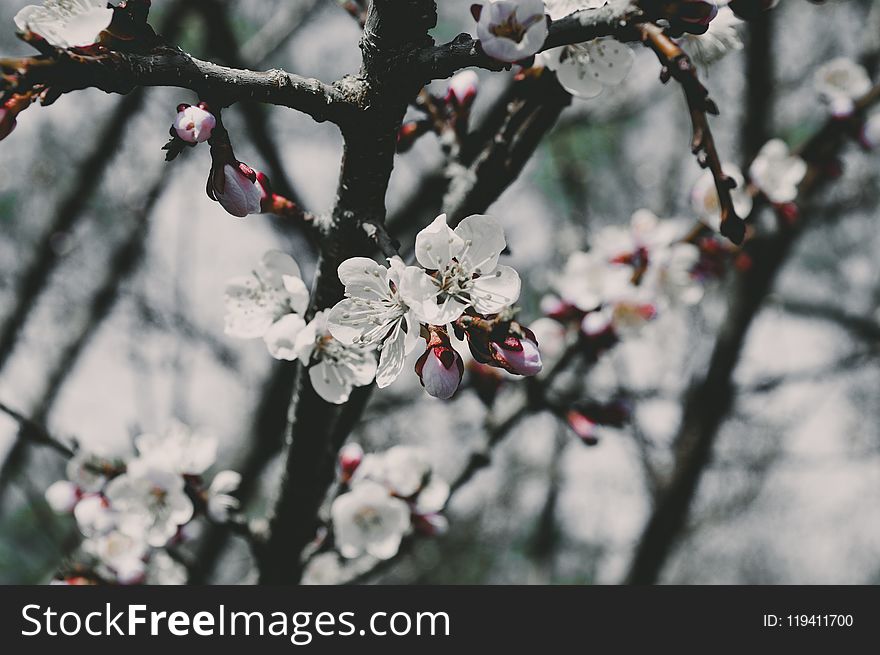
(462, 89)
(583, 427)
(62, 496)
(194, 124)
(350, 457)
(235, 187)
(519, 356)
(440, 369)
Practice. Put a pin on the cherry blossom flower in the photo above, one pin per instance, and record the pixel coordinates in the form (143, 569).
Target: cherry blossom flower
(511, 30)
(268, 303)
(66, 23)
(93, 516)
(122, 553)
(466, 270)
(220, 502)
(671, 274)
(335, 368)
(440, 369)
(588, 279)
(194, 123)
(402, 470)
(721, 38)
(237, 188)
(369, 520)
(178, 449)
(839, 83)
(62, 496)
(149, 502)
(87, 471)
(776, 172)
(377, 310)
(704, 196)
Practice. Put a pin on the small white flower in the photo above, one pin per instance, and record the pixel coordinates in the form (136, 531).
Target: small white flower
(162, 569)
(377, 310)
(432, 497)
(257, 303)
(149, 502)
(120, 552)
(179, 449)
(467, 269)
(777, 172)
(704, 196)
(840, 82)
(721, 37)
(511, 30)
(671, 274)
(402, 470)
(334, 367)
(369, 520)
(194, 124)
(585, 69)
(589, 279)
(86, 471)
(220, 502)
(93, 516)
(62, 496)
(66, 23)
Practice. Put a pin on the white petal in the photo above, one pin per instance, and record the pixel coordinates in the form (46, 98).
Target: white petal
(329, 383)
(483, 240)
(437, 244)
(494, 292)
(281, 337)
(392, 357)
(225, 482)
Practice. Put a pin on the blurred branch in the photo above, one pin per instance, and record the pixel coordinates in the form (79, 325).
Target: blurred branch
(36, 433)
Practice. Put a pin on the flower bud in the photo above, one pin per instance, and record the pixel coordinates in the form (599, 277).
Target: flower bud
(440, 369)
(462, 89)
(10, 110)
(62, 496)
(235, 187)
(194, 124)
(583, 427)
(519, 356)
(350, 457)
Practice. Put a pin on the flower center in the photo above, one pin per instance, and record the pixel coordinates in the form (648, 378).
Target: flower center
(512, 29)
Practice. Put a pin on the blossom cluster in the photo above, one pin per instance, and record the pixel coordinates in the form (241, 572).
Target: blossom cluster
(131, 512)
(386, 497)
(388, 309)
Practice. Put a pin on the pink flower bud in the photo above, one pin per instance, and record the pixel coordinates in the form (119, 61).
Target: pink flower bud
(440, 370)
(194, 124)
(63, 496)
(350, 457)
(463, 89)
(236, 188)
(583, 427)
(431, 525)
(518, 356)
(698, 13)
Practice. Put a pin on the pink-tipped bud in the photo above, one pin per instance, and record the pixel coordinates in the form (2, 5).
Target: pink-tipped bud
(518, 356)
(236, 188)
(440, 369)
(10, 110)
(697, 13)
(462, 89)
(583, 427)
(431, 525)
(350, 457)
(194, 124)
(63, 496)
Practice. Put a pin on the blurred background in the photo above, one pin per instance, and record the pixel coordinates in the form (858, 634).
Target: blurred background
(113, 265)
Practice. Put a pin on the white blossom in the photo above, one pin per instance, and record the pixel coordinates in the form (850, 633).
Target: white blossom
(589, 279)
(334, 367)
(120, 552)
(220, 502)
(62, 496)
(467, 269)
(377, 310)
(704, 196)
(721, 37)
(260, 305)
(86, 471)
(402, 470)
(149, 502)
(670, 274)
(585, 69)
(777, 172)
(840, 82)
(369, 520)
(512, 30)
(162, 569)
(179, 449)
(66, 23)
(93, 516)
